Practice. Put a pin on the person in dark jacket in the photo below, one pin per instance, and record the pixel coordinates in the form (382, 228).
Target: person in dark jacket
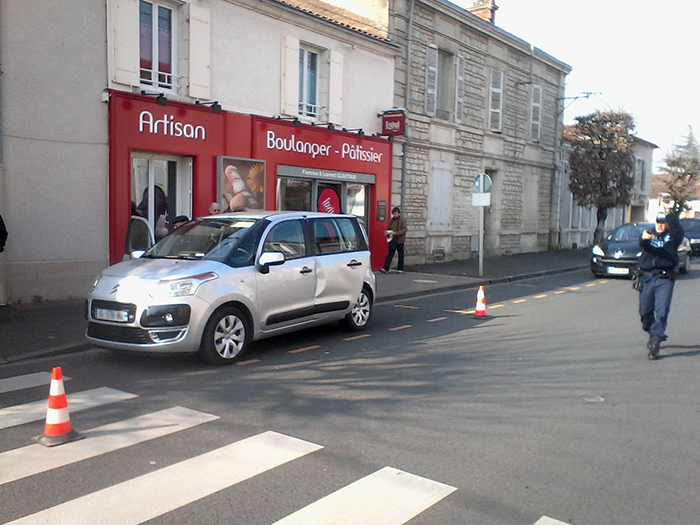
(396, 235)
(3, 235)
(657, 265)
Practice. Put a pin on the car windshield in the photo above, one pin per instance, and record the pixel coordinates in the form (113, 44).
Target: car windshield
(627, 232)
(207, 238)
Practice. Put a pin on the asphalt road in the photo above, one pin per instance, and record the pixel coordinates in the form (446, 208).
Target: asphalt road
(547, 409)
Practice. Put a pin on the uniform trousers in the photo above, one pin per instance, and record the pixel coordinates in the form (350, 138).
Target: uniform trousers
(655, 305)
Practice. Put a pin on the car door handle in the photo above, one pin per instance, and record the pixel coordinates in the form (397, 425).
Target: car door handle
(354, 263)
(305, 270)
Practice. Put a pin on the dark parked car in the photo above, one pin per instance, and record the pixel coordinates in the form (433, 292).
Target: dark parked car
(618, 252)
(692, 232)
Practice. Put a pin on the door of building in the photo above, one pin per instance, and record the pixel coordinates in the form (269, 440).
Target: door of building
(161, 189)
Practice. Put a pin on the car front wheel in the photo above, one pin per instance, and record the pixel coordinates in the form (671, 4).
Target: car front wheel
(358, 318)
(225, 337)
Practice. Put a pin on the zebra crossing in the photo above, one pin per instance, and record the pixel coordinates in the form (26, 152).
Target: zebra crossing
(388, 496)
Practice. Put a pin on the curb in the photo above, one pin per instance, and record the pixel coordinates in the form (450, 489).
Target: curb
(475, 285)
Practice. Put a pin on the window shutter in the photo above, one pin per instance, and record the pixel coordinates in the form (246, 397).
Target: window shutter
(440, 192)
(496, 103)
(123, 37)
(335, 87)
(535, 122)
(431, 72)
(290, 76)
(200, 52)
(459, 88)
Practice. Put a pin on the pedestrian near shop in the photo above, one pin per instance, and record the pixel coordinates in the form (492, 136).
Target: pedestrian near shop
(3, 235)
(657, 273)
(396, 235)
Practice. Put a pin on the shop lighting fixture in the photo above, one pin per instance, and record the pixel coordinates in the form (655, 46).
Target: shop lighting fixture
(160, 97)
(293, 120)
(331, 126)
(214, 105)
(360, 131)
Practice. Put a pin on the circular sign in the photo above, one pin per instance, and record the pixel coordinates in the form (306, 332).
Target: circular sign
(328, 201)
(486, 183)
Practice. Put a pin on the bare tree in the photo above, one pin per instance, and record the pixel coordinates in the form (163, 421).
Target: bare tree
(682, 172)
(602, 163)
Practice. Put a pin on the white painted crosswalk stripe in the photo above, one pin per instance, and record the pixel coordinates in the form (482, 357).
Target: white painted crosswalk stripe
(387, 497)
(544, 520)
(33, 459)
(11, 384)
(167, 489)
(28, 412)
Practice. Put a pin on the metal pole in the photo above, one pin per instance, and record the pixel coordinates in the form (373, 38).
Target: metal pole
(481, 228)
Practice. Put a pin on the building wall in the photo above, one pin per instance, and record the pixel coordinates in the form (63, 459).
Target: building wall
(521, 165)
(55, 151)
(55, 116)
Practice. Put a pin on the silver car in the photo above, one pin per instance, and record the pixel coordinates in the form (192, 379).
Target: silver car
(217, 283)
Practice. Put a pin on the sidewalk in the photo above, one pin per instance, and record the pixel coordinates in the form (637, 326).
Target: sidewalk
(43, 329)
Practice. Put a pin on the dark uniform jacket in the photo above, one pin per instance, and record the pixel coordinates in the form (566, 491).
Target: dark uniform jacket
(661, 251)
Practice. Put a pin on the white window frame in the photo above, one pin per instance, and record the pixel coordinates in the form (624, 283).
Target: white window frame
(431, 79)
(536, 113)
(496, 92)
(306, 108)
(459, 88)
(170, 81)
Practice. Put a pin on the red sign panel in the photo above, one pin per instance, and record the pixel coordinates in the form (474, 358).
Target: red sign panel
(393, 123)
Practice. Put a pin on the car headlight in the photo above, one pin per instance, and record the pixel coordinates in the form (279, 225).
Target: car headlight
(181, 287)
(597, 250)
(94, 284)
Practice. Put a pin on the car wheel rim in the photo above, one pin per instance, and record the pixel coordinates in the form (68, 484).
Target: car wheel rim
(229, 336)
(360, 312)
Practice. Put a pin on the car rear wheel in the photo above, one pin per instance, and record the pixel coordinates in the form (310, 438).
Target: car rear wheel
(358, 318)
(225, 337)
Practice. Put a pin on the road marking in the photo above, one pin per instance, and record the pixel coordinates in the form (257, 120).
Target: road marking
(248, 362)
(305, 349)
(590, 284)
(428, 281)
(603, 281)
(402, 327)
(540, 296)
(574, 288)
(387, 497)
(520, 301)
(406, 306)
(20, 414)
(544, 520)
(463, 312)
(436, 319)
(152, 495)
(26, 381)
(356, 337)
(496, 306)
(33, 459)
(559, 291)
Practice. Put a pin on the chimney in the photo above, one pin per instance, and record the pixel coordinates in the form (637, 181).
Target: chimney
(485, 9)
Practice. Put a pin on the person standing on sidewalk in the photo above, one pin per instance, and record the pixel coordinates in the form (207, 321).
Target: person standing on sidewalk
(657, 273)
(397, 228)
(3, 235)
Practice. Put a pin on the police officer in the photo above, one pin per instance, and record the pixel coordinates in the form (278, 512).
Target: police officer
(657, 266)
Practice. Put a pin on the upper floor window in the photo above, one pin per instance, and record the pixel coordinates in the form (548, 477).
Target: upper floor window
(496, 101)
(641, 172)
(156, 43)
(308, 82)
(536, 113)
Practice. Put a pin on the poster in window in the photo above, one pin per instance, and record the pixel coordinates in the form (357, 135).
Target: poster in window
(241, 184)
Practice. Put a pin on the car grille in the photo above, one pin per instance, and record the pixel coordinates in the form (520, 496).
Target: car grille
(119, 334)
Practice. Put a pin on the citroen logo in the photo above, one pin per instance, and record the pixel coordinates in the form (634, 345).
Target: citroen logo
(114, 290)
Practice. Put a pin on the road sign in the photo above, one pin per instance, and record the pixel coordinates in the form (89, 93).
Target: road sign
(482, 183)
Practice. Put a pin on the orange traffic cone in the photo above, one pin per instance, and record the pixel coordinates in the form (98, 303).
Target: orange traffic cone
(480, 310)
(57, 429)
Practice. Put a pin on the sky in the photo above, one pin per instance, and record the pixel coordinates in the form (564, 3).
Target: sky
(642, 57)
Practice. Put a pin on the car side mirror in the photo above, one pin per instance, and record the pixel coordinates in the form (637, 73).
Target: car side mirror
(268, 259)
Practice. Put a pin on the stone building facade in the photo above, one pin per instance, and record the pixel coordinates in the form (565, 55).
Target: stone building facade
(477, 100)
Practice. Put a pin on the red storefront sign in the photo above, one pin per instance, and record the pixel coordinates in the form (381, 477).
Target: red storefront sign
(139, 125)
(393, 123)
